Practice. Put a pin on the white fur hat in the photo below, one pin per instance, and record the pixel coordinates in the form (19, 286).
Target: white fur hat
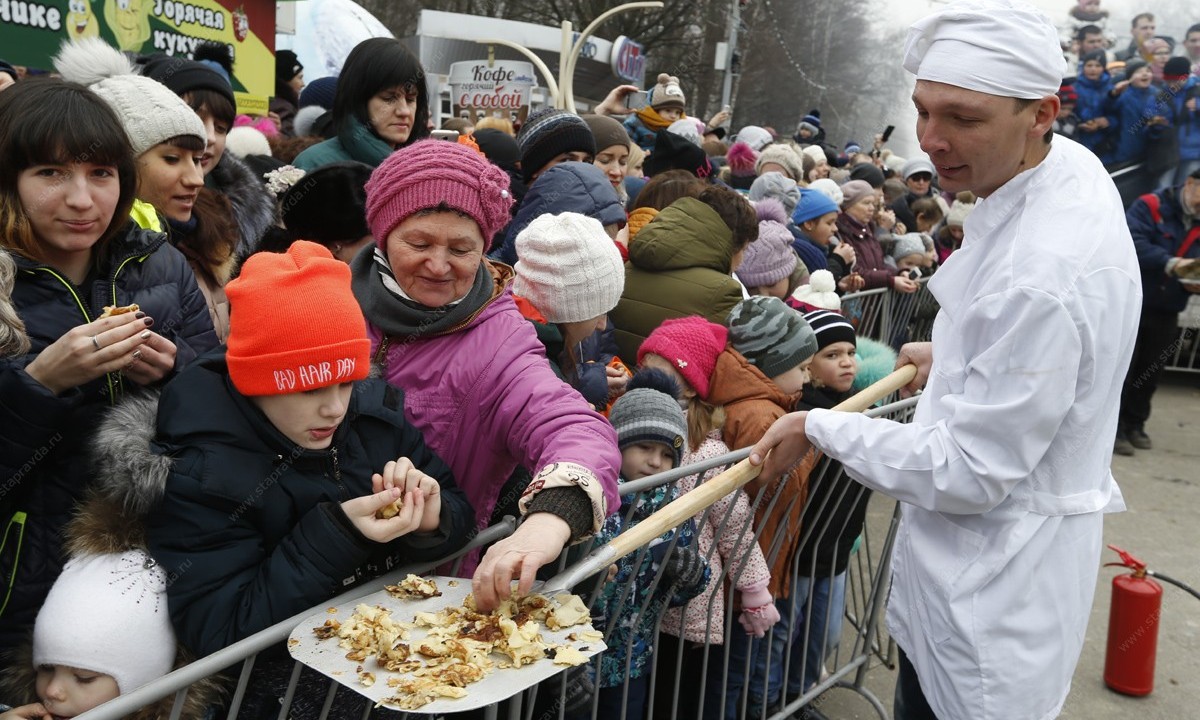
(820, 292)
(245, 140)
(569, 268)
(148, 110)
(108, 614)
(831, 189)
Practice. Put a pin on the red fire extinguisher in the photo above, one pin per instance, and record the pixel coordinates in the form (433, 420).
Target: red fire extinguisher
(1132, 628)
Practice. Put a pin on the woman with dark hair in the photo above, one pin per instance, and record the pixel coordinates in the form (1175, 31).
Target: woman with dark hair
(381, 105)
(289, 81)
(682, 262)
(233, 209)
(66, 191)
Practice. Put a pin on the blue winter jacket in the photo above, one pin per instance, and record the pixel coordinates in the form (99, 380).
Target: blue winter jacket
(1093, 103)
(1134, 107)
(1156, 243)
(1187, 122)
(567, 187)
(45, 461)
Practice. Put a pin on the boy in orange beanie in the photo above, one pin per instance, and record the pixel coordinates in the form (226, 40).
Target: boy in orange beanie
(283, 456)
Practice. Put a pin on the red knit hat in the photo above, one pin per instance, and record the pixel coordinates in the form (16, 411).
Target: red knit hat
(692, 345)
(294, 324)
(429, 173)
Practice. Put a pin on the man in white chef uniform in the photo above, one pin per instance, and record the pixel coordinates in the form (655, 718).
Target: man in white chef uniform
(1004, 470)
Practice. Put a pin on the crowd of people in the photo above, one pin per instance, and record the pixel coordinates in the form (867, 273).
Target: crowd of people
(340, 346)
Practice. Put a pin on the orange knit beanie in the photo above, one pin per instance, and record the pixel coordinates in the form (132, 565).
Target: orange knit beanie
(294, 324)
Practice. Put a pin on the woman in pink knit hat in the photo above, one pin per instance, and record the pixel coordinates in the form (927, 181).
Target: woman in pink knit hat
(444, 326)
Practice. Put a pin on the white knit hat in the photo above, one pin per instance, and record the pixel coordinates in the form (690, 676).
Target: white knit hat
(108, 614)
(568, 268)
(149, 112)
(688, 128)
(831, 189)
(820, 292)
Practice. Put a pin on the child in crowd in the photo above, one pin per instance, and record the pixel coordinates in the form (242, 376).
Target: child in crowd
(665, 103)
(949, 236)
(834, 514)
(758, 379)
(1093, 108)
(913, 253)
(769, 261)
(1142, 119)
(102, 632)
(928, 212)
(818, 294)
(687, 349)
(282, 454)
(816, 218)
(652, 433)
(569, 276)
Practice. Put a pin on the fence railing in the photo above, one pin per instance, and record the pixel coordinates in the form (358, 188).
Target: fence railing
(734, 673)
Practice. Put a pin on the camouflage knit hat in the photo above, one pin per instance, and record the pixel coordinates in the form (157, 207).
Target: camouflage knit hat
(770, 335)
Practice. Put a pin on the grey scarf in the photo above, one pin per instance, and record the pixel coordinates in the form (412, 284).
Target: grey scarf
(401, 318)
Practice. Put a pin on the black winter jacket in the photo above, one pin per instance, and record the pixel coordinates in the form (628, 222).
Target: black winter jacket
(251, 525)
(1156, 243)
(44, 468)
(836, 507)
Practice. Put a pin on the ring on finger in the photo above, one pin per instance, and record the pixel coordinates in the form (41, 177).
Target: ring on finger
(95, 343)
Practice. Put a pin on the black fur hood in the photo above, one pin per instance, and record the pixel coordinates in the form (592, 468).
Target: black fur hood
(129, 480)
(253, 205)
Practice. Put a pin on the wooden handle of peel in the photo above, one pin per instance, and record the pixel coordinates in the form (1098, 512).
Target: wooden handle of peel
(695, 502)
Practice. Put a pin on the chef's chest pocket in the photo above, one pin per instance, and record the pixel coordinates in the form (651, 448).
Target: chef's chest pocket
(948, 375)
(941, 554)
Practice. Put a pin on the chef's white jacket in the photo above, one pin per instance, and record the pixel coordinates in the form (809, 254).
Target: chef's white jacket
(1004, 470)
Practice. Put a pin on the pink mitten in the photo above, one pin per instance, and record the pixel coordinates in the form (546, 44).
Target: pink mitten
(758, 611)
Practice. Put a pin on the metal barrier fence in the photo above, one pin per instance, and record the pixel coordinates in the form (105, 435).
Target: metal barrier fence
(722, 669)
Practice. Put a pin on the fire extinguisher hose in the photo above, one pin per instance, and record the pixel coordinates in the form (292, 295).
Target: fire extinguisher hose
(1173, 581)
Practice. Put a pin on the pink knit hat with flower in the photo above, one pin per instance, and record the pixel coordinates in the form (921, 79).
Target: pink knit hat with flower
(692, 345)
(430, 173)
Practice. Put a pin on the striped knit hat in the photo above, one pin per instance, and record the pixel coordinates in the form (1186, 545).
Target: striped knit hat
(549, 133)
(649, 411)
(770, 335)
(830, 327)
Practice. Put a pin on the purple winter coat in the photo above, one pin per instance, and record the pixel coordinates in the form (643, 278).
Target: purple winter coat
(486, 401)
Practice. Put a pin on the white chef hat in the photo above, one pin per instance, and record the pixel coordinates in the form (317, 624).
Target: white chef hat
(999, 47)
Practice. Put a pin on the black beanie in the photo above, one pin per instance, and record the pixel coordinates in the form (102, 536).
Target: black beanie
(329, 204)
(549, 133)
(675, 152)
(868, 172)
(287, 66)
(182, 76)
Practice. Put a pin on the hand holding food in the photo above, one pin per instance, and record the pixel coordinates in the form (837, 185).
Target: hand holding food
(86, 352)
(403, 474)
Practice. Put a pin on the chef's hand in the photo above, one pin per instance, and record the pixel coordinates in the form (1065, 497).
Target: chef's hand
(540, 539)
(921, 355)
(786, 442)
